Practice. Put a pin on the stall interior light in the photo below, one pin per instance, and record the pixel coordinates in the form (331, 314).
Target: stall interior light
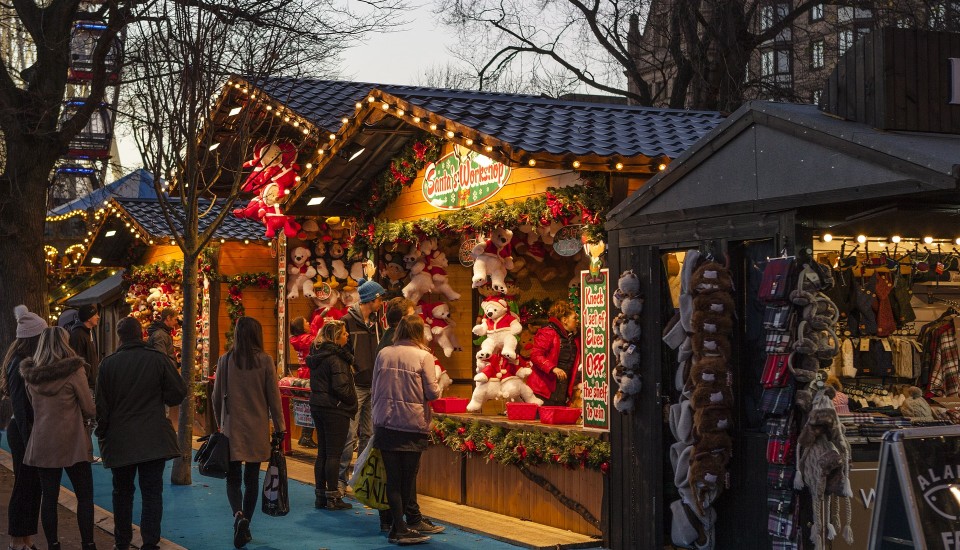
(95, 260)
(235, 111)
(214, 146)
(357, 153)
(110, 233)
(827, 237)
(433, 126)
(861, 239)
(576, 164)
(314, 201)
(662, 167)
(928, 240)
(895, 239)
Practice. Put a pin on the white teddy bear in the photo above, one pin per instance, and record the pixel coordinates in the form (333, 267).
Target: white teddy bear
(501, 328)
(436, 263)
(300, 273)
(498, 378)
(437, 317)
(421, 281)
(493, 258)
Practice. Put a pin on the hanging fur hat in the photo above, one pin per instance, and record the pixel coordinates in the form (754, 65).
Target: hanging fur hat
(717, 302)
(709, 370)
(711, 345)
(709, 322)
(711, 277)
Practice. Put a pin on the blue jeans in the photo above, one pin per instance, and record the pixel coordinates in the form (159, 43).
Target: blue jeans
(361, 430)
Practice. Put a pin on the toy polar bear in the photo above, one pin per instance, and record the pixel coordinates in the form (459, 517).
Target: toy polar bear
(501, 328)
(437, 317)
(435, 263)
(300, 273)
(421, 281)
(498, 378)
(492, 259)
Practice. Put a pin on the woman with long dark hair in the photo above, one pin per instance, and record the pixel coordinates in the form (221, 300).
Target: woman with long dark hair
(24, 507)
(62, 407)
(333, 402)
(404, 380)
(245, 398)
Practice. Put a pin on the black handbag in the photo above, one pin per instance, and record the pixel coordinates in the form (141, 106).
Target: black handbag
(276, 498)
(213, 458)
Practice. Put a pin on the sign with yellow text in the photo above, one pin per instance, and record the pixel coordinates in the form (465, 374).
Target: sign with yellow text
(595, 338)
(463, 178)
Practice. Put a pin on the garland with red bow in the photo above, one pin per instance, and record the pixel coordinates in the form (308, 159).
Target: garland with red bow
(573, 450)
(234, 299)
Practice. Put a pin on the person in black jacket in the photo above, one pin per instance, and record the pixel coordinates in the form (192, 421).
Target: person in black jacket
(333, 404)
(83, 342)
(136, 437)
(24, 509)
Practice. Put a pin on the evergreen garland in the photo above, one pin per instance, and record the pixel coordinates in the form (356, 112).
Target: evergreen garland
(521, 447)
(234, 298)
(584, 204)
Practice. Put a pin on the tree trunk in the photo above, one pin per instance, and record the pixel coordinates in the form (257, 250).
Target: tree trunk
(23, 207)
(182, 467)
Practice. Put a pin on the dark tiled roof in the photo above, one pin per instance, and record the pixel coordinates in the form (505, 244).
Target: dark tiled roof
(529, 123)
(148, 214)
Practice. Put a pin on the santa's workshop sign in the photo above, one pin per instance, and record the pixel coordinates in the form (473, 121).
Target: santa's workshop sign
(463, 178)
(595, 338)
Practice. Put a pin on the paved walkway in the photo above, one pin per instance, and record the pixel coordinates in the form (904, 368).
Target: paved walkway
(198, 517)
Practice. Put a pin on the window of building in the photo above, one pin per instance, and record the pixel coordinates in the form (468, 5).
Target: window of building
(775, 64)
(817, 54)
(846, 40)
(816, 97)
(943, 15)
(816, 12)
(772, 14)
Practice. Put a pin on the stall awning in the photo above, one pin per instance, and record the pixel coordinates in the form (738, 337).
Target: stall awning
(104, 292)
(777, 156)
(137, 184)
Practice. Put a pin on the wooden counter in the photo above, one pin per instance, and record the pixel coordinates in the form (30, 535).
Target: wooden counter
(469, 479)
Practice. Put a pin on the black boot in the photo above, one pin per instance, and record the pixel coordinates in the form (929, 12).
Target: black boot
(335, 501)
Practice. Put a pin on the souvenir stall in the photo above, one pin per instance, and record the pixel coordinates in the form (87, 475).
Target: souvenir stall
(796, 269)
(484, 210)
(237, 270)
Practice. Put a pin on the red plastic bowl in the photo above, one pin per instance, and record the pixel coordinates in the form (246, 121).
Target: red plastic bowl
(559, 415)
(449, 405)
(522, 411)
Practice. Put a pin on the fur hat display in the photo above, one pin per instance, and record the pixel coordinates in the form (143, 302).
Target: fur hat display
(711, 277)
(29, 324)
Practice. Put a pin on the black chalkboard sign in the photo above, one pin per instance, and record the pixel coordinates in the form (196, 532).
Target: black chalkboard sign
(918, 490)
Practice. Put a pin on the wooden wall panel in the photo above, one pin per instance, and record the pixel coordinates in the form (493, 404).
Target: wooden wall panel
(236, 258)
(162, 253)
(440, 474)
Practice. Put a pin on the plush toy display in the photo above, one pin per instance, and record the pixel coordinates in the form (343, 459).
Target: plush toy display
(443, 379)
(498, 378)
(421, 281)
(493, 258)
(625, 346)
(435, 263)
(437, 318)
(300, 273)
(274, 173)
(501, 327)
(393, 272)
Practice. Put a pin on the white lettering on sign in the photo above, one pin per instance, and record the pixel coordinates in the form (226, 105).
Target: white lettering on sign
(951, 540)
(954, 80)
(867, 497)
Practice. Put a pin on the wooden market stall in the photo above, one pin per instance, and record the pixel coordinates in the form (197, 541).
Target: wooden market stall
(873, 197)
(412, 172)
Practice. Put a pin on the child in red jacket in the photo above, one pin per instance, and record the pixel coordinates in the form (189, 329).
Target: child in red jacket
(556, 357)
(301, 338)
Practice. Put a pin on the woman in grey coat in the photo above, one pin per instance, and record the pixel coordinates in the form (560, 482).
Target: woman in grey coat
(245, 398)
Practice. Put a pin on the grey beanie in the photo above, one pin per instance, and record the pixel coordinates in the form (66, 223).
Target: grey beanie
(29, 324)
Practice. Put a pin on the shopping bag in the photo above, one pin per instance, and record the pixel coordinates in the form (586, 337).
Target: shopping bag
(213, 458)
(276, 499)
(369, 479)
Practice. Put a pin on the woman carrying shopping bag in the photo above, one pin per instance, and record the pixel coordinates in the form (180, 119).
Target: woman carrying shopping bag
(60, 440)
(404, 380)
(333, 403)
(245, 398)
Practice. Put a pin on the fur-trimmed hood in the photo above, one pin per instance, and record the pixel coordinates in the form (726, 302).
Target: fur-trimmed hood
(48, 379)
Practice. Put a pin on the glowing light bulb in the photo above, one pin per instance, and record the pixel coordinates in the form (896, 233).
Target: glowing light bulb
(928, 240)
(895, 239)
(861, 239)
(827, 237)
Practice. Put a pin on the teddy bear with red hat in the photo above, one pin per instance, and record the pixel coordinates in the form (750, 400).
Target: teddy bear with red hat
(501, 328)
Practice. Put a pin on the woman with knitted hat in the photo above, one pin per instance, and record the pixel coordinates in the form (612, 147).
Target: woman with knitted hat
(22, 517)
(62, 403)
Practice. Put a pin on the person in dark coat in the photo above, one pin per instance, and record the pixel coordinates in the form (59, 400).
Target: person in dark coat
(160, 333)
(83, 342)
(245, 398)
(333, 403)
(362, 321)
(136, 437)
(24, 509)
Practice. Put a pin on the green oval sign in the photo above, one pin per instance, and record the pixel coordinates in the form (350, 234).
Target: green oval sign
(463, 178)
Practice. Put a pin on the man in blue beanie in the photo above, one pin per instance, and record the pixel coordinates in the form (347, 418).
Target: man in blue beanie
(363, 325)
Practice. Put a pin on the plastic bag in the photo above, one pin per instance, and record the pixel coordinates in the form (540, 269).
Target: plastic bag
(276, 499)
(369, 479)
